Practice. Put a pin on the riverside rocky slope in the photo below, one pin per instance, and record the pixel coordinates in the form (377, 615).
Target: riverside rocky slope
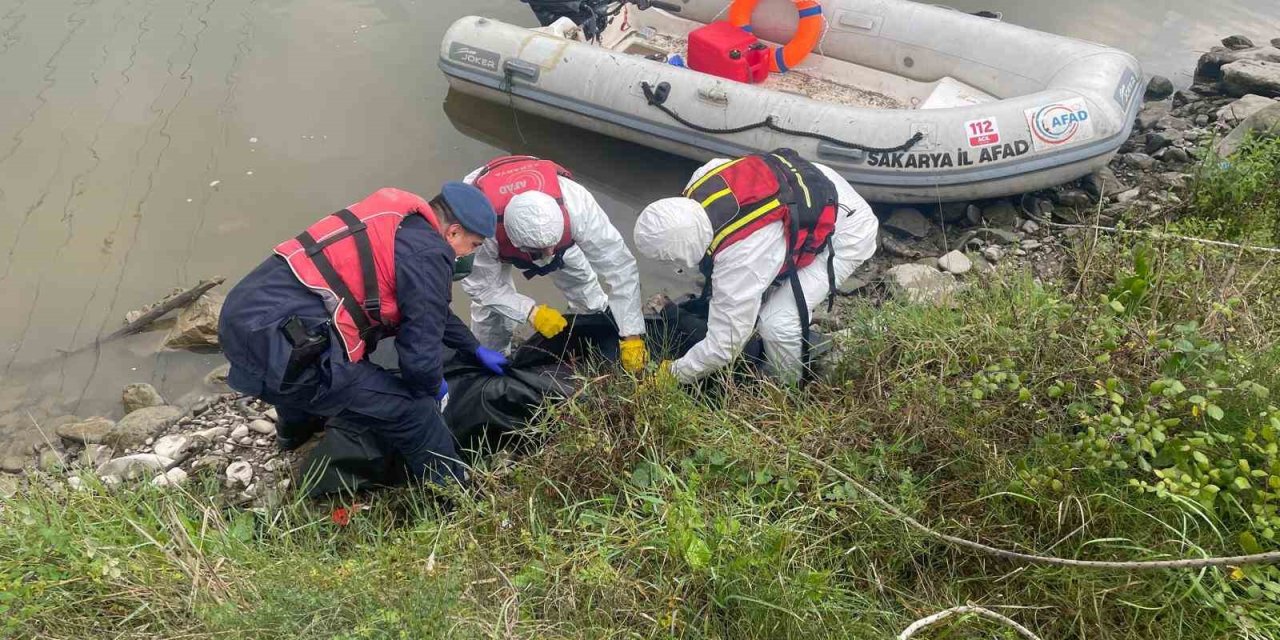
(226, 444)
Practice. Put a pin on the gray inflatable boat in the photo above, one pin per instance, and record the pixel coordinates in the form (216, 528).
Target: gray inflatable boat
(910, 102)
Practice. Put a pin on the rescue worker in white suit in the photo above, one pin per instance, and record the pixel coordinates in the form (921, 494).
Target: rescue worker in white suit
(550, 225)
(748, 224)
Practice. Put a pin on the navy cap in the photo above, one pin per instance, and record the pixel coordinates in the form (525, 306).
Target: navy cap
(471, 207)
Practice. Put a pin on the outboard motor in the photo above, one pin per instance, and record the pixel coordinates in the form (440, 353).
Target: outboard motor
(591, 15)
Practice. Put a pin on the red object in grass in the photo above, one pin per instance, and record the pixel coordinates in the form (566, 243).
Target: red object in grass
(341, 516)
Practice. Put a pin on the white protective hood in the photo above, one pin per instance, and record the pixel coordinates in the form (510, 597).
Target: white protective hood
(534, 220)
(674, 229)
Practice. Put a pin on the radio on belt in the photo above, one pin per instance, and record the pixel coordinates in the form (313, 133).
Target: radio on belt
(724, 50)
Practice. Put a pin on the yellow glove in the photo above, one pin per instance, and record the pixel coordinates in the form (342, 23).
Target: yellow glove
(547, 321)
(635, 354)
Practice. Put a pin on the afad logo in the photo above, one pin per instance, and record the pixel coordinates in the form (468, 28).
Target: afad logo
(1060, 123)
(520, 182)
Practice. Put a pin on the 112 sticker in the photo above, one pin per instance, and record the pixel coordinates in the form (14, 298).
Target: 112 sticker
(982, 133)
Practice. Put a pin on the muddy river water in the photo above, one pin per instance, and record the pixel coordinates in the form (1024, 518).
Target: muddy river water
(146, 144)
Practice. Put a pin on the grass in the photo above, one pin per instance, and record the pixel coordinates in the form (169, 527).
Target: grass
(1024, 418)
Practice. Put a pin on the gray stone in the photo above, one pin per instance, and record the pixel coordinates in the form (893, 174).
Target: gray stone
(955, 263)
(929, 261)
(1210, 64)
(9, 485)
(1275, 42)
(140, 395)
(129, 467)
(1237, 43)
(1001, 214)
(197, 325)
(94, 455)
(218, 377)
(239, 473)
(135, 428)
(1159, 88)
(922, 285)
(988, 235)
(14, 464)
(1174, 155)
(176, 446)
(1171, 123)
(1126, 197)
(91, 431)
(1031, 226)
(895, 247)
(272, 415)
(212, 433)
(1074, 199)
(1265, 122)
(265, 427)
(1244, 77)
(212, 463)
(1202, 120)
(908, 221)
(1103, 183)
(171, 478)
(1155, 142)
(993, 254)
(51, 461)
(973, 214)
(240, 432)
(1234, 113)
(1151, 114)
(1031, 244)
(1140, 161)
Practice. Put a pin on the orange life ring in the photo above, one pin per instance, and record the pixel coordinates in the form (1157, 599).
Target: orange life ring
(808, 33)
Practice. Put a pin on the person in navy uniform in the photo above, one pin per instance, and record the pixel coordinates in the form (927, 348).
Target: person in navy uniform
(299, 328)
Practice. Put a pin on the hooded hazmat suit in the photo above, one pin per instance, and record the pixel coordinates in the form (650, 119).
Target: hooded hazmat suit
(598, 251)
(678, 230)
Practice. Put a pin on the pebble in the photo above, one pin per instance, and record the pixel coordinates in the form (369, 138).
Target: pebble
(13, 464)
(131, 466)
(272, 415)
(262, 442)
(955, 263)
(212, 433)
(76, 483)
(265, 427)
(95, 454)
(90, 431)
(170, 478)
(253, 140)
(240, 432)
(1031, 226)
(215, 183)
(239, 473)
(1030, 244)
(228, 447)
(994, 254)
(176, 446)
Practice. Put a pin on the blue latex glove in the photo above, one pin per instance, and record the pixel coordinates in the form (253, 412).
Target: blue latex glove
(492, 360)
(444, 390)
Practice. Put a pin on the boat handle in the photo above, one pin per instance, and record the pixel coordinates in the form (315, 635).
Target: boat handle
(827, 149)
(518, 68)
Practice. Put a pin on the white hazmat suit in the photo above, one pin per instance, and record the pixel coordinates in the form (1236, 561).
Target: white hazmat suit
(533, 219)
(677, 229)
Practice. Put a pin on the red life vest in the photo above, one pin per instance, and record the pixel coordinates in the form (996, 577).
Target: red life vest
(755, 191)
(506, 177)
(341, 254)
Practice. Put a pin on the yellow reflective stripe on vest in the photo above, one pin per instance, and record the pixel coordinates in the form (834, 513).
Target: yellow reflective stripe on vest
(716, 196)
(711, 174)
(808, 200)
(759, 212)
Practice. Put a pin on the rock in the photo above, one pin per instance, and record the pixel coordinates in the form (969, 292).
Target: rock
(9, 486)
(1001, 214)
(171, 478)
(1171, 123)
(239, 473)
(240, 432)
(1210, 64)
(129, 467)
(135, 428)
(212, 433)
(218, 377)
(921, 284)
(140, 395)
(1237, 111)
(176, 446)
(51, 461)
(272, 415)
(149, 441)
(908, 221)
(955, 263)
(1158, 88)
(993, 254)
(197, 325)
(1031, 226)
(1151, 114)
(1031, 244)
(1259, 77)
(228, 448)
(973, 215)
(1155, 142)
(1265, 122)
(1275, 42)
(76, 483)
(91, 431)
(13, 464)
(1103, 183)
(265, 427)
(1139, 161)
(1237, 43)
(1126, 197)
(95, 455)
(1074, 199)
(1174, 155)
(211, 463)
(53, 424)
(988, 235)
(1202, 120)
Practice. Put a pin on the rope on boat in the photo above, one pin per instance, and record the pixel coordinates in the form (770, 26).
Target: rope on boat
(657, 97)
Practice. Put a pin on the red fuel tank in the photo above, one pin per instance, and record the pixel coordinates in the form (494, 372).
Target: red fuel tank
(724, 50)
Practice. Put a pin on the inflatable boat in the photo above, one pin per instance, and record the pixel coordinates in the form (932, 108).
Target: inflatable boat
(910, 102)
